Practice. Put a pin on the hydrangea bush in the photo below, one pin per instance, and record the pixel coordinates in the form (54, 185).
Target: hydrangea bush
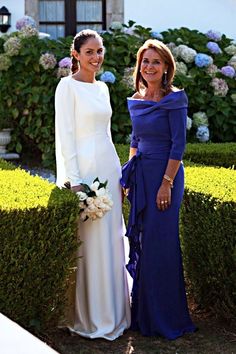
(30, 69)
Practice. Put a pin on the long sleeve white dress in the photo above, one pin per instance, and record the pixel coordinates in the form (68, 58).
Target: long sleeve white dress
(84, 151)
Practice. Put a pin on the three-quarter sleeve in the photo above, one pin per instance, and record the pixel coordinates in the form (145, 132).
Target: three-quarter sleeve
(134, 141)
(65, 133)
(177, 123)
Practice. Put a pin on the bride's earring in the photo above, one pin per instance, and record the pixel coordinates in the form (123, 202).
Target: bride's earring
(165, 81)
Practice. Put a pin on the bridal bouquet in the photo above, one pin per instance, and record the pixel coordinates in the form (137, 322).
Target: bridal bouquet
(94, 201)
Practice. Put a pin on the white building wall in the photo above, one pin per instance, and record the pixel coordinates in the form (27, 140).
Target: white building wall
(202, 15)
(17, 10)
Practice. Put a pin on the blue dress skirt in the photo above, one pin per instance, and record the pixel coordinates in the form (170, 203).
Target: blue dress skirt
(159, 304)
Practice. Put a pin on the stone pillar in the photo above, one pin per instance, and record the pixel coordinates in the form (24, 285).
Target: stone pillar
(32, 9)
(115, 11)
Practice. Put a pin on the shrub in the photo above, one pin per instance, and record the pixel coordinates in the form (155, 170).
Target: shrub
(212, 154)
(208, 223)
(38, 243)
(205, 69)
(207, 154)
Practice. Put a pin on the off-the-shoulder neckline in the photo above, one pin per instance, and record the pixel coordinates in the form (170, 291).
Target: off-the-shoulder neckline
(143, 100)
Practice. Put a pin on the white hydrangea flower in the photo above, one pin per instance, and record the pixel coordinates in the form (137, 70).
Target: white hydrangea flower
(12, 46)
(186, 53)
(200, 118)
(189, 123)
(212, 69)
(231, 49)
(116, 25)
(181, 68)
(232, 62)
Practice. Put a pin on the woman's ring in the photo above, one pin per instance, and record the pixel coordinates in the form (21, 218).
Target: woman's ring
(166, 201)
(162, 202)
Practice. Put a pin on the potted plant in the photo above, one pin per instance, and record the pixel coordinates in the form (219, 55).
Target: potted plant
(5, 133)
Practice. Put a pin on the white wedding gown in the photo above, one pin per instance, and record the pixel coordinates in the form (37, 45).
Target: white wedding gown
(84, 151)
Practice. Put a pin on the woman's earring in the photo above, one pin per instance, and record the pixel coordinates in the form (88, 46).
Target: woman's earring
(165, 81)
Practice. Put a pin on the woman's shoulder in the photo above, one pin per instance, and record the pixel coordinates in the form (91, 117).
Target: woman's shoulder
(176, 98)
(64, 81)
(137, 95)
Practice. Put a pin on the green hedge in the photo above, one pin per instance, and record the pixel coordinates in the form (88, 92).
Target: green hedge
(208, 232)
(209, 154)
(212, 154)
(37, 247)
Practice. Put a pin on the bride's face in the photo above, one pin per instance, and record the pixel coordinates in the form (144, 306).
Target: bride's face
(91, 55)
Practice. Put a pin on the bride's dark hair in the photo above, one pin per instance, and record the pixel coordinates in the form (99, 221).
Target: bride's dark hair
(80, 39)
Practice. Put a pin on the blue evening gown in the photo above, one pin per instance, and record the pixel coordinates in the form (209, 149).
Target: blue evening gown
(159, 304)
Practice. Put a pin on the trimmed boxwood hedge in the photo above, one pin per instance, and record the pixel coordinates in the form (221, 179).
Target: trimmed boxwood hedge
(208, 232)
(37, 242)
(212, 154)
(209, 154)
(37, 247)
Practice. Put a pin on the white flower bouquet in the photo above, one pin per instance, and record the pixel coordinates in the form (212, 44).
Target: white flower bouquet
(95, 200)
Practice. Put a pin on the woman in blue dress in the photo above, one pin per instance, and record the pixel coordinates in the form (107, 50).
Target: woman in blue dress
(154, 176)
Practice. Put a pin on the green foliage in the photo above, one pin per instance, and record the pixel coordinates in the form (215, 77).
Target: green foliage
(29, 103)
(38, 244)
(208, 222)
(223, 154)
(221, 111)
(209, 154)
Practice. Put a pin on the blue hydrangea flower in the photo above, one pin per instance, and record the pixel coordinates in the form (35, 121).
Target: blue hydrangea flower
(25, 21)
(228, 71)
(202, 60)
(108, 76)
(202, 133)
(214, 48)
(214, 35)
(65, 63)
(157, 35)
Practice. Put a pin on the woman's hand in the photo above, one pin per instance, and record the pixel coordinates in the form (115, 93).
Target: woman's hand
(163, 198)
(124, 193)
(78, 188)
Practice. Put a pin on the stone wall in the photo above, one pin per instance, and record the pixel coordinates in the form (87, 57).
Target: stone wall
(115, 11)
(32, 9)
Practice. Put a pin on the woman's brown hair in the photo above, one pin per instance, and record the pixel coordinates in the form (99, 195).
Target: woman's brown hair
(166, 56)
(80, 39)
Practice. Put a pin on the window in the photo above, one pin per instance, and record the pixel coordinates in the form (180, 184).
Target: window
(66, 17)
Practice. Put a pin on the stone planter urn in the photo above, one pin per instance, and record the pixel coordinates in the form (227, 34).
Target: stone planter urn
(5, 138)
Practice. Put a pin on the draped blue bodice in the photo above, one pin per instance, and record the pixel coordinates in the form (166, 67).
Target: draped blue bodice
(159, 128)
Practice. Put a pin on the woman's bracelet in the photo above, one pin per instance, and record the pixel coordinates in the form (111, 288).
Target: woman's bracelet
(169, 179)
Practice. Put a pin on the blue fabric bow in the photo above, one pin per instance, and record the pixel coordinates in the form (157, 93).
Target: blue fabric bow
(132, 179)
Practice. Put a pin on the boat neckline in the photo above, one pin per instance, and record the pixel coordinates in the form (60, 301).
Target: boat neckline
(84, 82)
(143, 100)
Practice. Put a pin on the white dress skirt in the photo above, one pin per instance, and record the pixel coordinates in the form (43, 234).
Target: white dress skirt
(84, 151)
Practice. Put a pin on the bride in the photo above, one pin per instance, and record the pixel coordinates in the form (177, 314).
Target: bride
(84, 151)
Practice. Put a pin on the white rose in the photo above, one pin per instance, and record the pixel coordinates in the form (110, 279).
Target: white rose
(99, 214)
(83, 215)
(91, 207)
(89, 200)
(94, 186)
(82, 196)
(81, 205)
(100, 192)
